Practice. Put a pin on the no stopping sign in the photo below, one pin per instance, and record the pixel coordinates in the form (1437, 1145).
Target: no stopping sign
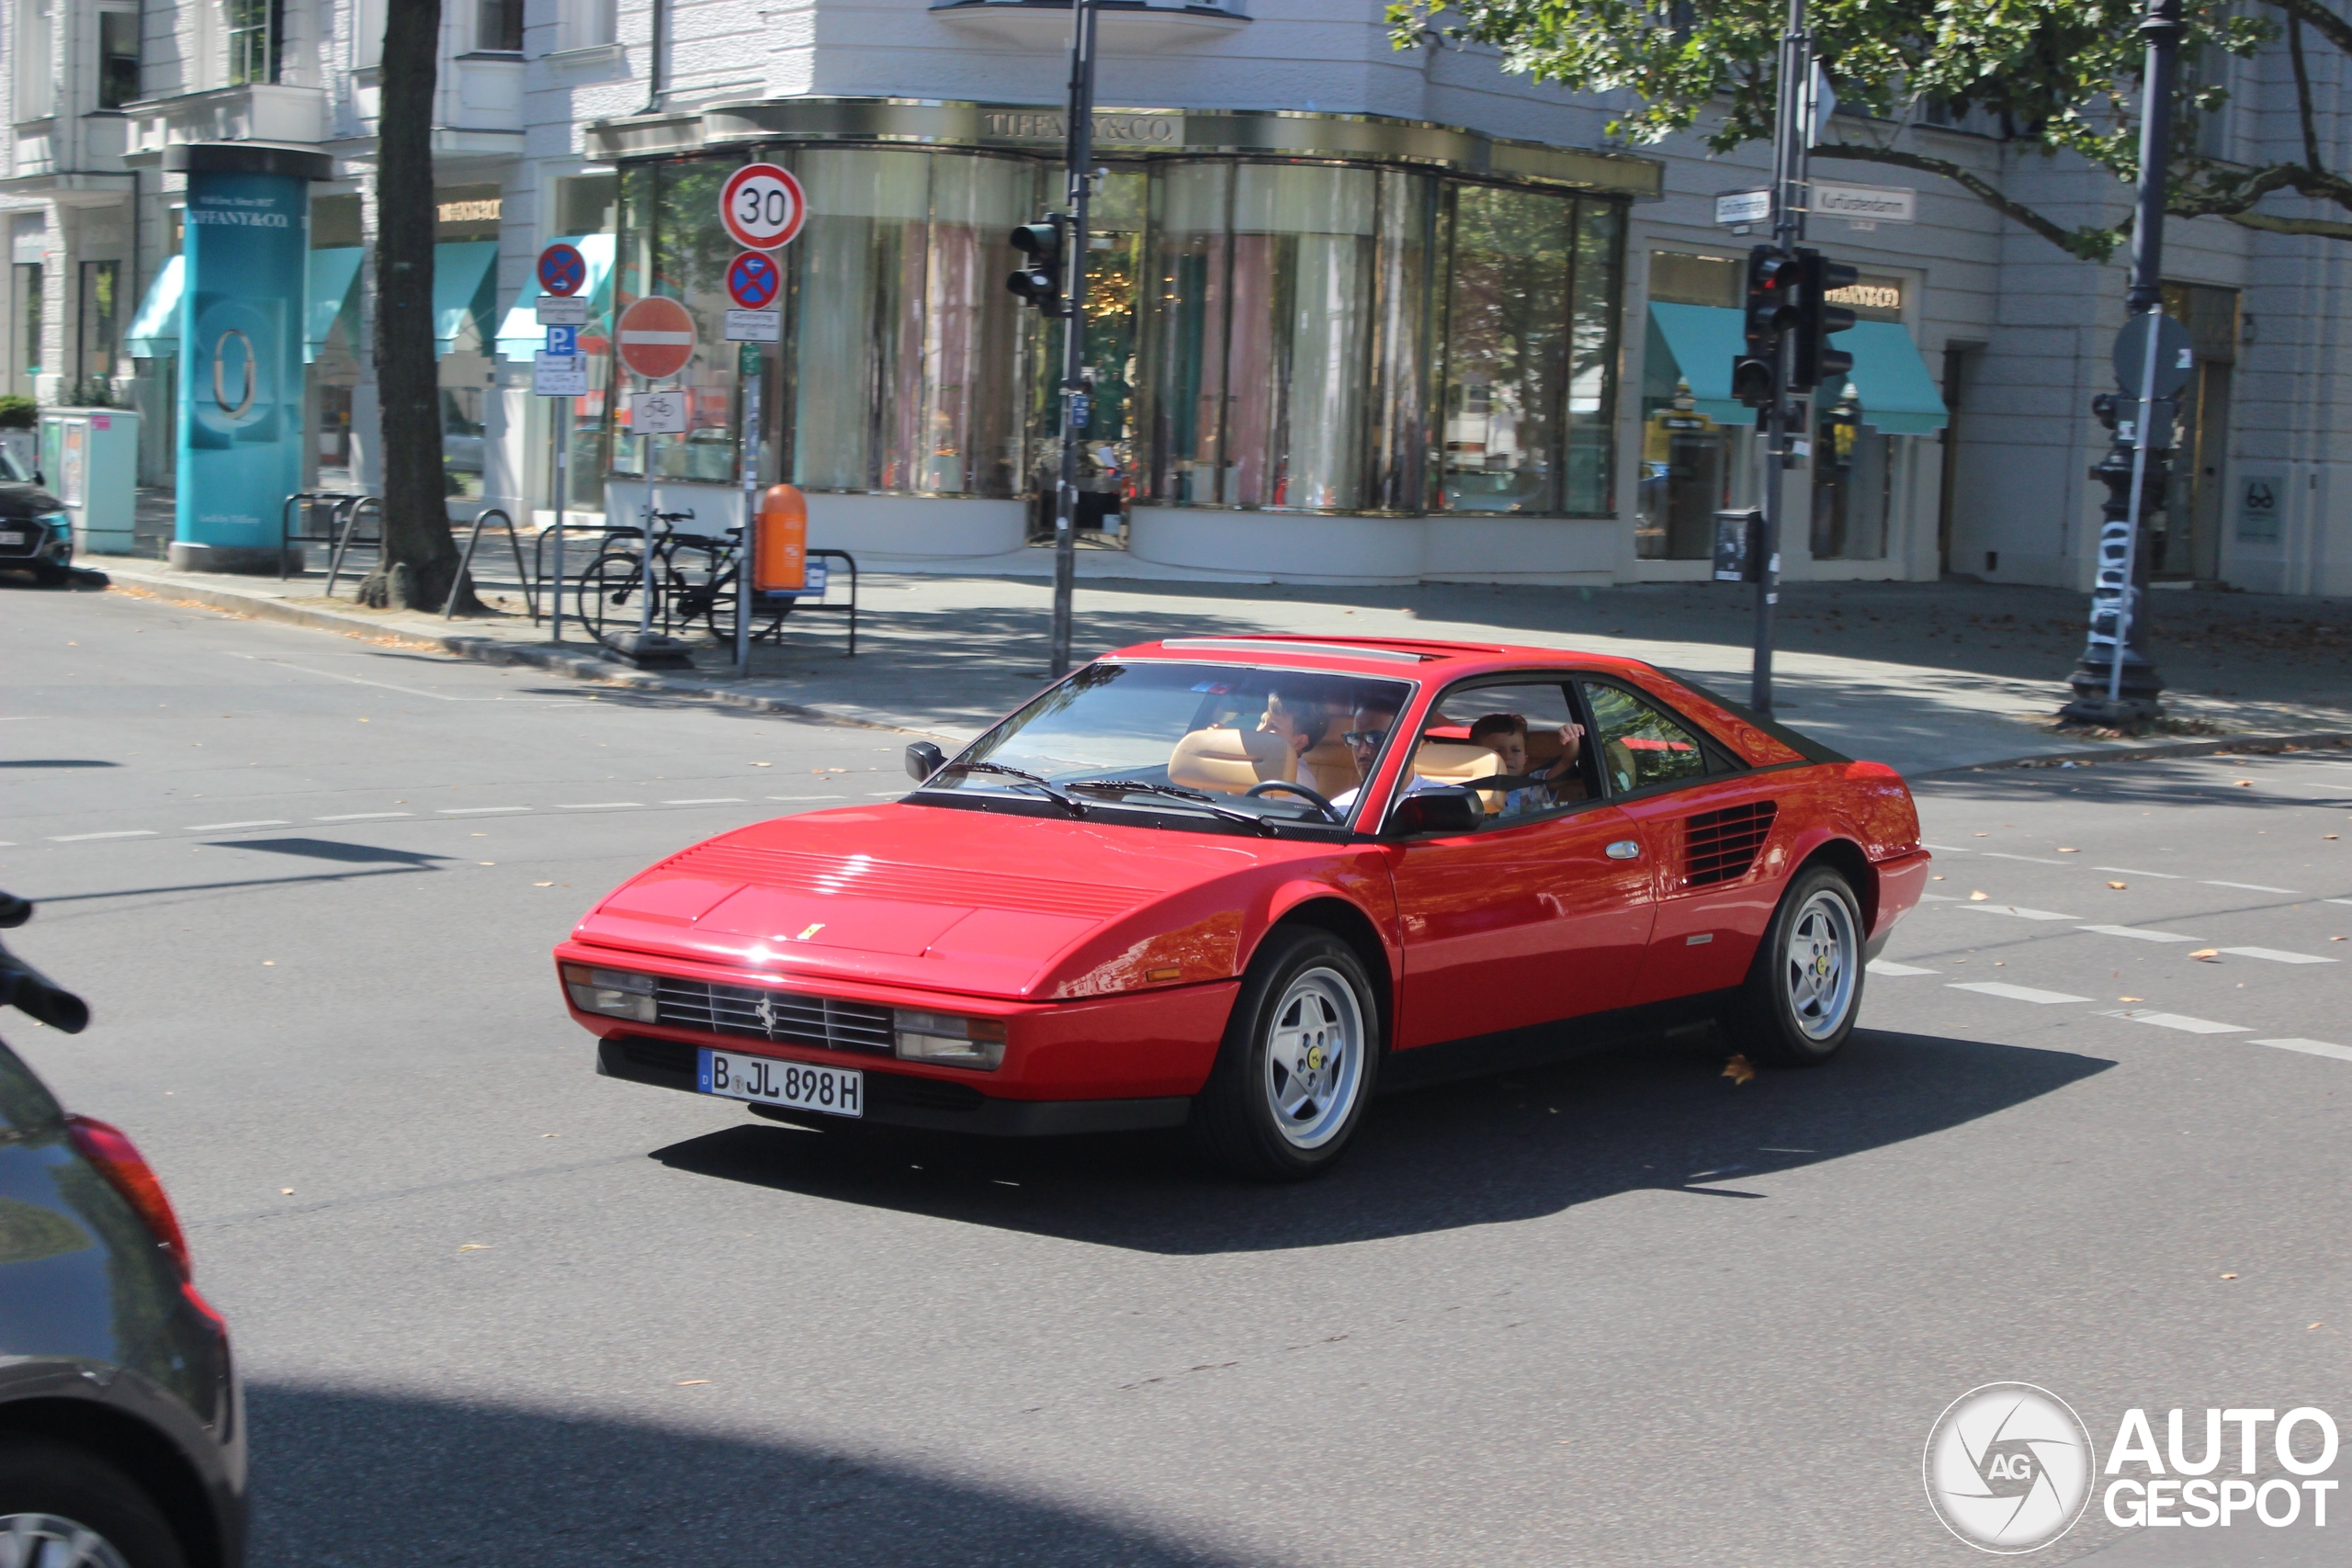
(763, 207)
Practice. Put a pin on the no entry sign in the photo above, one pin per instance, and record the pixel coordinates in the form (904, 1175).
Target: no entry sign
(761, 206)
(752, 281)
(562, 269)
(655, 338)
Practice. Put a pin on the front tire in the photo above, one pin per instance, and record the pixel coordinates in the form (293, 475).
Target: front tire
(1804, 989)
(62, 1504)
(1298, 1062)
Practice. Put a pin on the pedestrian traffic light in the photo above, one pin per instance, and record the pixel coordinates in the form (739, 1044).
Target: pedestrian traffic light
(1039, 280)
(1816, 362)
(1771, 280)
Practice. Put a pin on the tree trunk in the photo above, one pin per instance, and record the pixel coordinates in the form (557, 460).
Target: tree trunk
(420, 564)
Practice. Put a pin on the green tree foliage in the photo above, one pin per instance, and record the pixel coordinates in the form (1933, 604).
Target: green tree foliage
(2061, 73)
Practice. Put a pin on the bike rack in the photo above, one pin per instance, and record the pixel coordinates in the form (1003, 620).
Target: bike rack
(287, 537)
(350, 525)
(849, 609)
(539, 545)
(530, 594)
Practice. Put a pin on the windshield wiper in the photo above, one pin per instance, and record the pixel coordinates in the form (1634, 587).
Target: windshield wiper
(1068, 802)
(1191, 797)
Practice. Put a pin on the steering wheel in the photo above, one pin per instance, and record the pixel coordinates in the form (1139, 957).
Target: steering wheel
(1330, 813)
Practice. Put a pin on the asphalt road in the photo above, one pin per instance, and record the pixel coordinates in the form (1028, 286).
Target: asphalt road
(1627, 1311)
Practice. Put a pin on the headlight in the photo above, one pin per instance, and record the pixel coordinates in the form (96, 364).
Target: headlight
(616, 993)
(955, 1042)
(56, 521)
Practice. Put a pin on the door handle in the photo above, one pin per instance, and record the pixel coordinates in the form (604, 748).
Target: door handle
(1624, 849)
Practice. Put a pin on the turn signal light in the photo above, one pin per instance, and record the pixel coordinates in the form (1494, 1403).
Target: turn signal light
(614, 993)
(951, 1040)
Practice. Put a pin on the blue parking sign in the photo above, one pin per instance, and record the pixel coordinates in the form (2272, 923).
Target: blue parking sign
(563, 340)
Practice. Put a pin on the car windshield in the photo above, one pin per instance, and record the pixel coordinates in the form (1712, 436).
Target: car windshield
(1234, 743)
(10, 469)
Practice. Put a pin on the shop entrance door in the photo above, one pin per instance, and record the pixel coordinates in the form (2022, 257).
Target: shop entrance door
(2187, 539)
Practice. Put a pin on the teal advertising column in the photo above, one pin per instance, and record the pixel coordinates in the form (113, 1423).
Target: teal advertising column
(245, 245)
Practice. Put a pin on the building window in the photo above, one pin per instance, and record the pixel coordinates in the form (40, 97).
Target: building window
(586, 23)
(118, 57)
(587, 204)
(33, 45)
(101, 322)
(1695, 462)
(498, 26)
(256, 40)
(26, 306)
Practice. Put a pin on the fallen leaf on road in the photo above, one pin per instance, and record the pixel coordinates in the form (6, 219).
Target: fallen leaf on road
(2119, 887)
(475, 1246)
(2228, 1276)
(2207, 952)
(1980, 835)
(1978, 898)
(1737, 1070)
(2130, 999)
(2331, 835)
(2065, 850)
(269, 963)
(689, 1382)
(543, 884)
(2309, 1326)
(285, 1192)
(764, 764)
(486, 862)
(2242, 783)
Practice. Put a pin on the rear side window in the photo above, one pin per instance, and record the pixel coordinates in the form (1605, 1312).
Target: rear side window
(1640, 746)
(24, 1104)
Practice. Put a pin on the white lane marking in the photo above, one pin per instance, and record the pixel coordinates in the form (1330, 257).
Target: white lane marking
(2138, 934)
(1995, 854)
(2127, 871)
(808, 797)
(2336, 900)
(2175, 1021)
(379, 685)
(224, 826)
(710, 800)
(597, 804)
(2254, 888)
(84, 837)
(2015, 993)
(478, 810)
(884, 794)
(2311, 1047)
(1946, 848)
(1888, 966)
(2021, 914)
(2276, 955)
(363, 816)
(1937, 898)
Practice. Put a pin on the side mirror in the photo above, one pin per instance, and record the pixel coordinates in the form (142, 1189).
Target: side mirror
(923, 758)
(1449, 810)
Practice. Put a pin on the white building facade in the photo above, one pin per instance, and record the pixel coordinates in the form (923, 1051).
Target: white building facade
(1355, 314)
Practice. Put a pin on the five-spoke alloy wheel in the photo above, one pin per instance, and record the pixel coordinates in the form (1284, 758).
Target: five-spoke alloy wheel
(1297, 1063)
(1805, 987)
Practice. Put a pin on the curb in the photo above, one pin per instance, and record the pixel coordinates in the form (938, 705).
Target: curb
(491, 651)
(2207, 748)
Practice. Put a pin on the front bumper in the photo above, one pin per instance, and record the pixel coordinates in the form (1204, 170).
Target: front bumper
(903, 1099)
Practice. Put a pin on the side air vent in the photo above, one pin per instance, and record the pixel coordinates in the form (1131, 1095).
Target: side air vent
(1720, 846)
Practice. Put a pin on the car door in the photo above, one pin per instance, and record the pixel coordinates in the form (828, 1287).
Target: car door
(1707, 823)
(1534, 916)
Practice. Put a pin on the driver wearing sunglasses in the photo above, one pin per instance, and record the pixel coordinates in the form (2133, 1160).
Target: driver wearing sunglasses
(1367, 727)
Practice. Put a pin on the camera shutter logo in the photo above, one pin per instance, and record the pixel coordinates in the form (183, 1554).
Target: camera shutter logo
(2008, 1468)
(250, 379)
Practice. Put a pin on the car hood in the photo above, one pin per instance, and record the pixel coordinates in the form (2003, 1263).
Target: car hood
(952, 900)
(19, 499)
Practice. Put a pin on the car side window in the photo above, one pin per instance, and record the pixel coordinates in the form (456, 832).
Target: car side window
(1521, 734)
(1637, 746)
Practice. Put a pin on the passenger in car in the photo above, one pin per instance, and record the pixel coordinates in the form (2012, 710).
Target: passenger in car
(1504, 734)
(1305, 725)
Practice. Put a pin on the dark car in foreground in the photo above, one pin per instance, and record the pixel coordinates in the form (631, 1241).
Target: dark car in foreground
(35, 533)
(121, 1431)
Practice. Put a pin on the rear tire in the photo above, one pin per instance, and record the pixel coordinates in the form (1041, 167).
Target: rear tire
(70, 1507)
(1298, 1063)
(607, 597)
(1805, 990)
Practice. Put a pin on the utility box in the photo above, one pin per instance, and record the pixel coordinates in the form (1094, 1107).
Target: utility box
(1739, 546)
(90, 459)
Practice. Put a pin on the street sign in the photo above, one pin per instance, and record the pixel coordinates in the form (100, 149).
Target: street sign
(1736, 207)
(763, 207)
(2175, 353)
(658, 414)
(655, 338)
(560, 375)
(563, 340)
(562, 269)
(2261, 497)
(1864, 204)
(562, 311)
(753, 280)
(754, 326)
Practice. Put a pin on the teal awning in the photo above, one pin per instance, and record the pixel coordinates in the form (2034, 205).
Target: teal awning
(520, 336)
(155, 330)
(464, 289)
(334, 272)
(1699, 342)
(1891, 382)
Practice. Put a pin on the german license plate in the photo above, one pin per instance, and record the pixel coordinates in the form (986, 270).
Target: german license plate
(835, 1091)
(11, 537)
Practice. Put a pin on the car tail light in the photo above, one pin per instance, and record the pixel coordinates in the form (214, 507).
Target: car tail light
(126, 1171)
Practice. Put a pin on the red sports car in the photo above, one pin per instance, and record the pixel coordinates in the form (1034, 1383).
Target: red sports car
(1238, 884)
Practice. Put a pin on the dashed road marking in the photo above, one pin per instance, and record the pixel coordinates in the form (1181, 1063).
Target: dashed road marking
(2276, 955)
(1995, 854)
(225, 827)
(2127, 871)
(363, 816)
(2022, 914)
(2336, 900)
(1888, 966)
(2311, 1047)
(1937, 898)
(2254, 888)
(2014, 993)
(1946, 848)
(808, 797)
(597, 804)
(84, 837)
(2139, 933)
(2187, 1025)
(478, 810)
(709, 800)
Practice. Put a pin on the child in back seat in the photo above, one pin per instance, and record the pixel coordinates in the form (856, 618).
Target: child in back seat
(1504, 734)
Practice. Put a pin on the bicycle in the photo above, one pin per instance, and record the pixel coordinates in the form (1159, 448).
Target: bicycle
(610, 589)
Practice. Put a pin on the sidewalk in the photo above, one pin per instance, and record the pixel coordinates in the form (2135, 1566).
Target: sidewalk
(1924, 676)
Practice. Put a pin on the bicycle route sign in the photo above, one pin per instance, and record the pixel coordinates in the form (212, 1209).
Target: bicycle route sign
(562, 269)
(763, 207)
(655, 338)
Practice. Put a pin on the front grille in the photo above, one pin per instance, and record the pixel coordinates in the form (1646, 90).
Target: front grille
(759, 1013)
(1719, 846)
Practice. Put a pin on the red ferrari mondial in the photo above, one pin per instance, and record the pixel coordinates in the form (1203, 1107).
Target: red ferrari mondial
(1238, 884)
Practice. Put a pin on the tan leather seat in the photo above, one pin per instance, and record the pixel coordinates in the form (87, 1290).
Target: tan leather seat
(1329, 769)
(1228, 761)
(1459, 762)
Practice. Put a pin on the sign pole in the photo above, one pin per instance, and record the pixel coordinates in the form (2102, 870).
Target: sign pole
(747, 553)
(645, 556)
(1077, 408)
(560, 423)
(559, 372)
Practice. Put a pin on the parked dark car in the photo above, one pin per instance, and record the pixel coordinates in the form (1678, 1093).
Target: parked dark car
(35, 533)
(123, 1438)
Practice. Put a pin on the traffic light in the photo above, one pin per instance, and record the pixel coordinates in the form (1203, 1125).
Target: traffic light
(1039, 280)
(1816, 362)
(1771, 280)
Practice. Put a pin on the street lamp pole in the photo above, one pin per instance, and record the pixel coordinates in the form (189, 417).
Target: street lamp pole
(1791, 141)
(2115, 682)
(1075, 405)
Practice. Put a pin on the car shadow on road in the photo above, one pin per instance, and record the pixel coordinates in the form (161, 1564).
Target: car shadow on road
(1658, 1117)
(350, 1479)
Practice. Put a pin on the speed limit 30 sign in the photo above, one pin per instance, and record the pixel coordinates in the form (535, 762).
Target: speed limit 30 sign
(763, 207)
